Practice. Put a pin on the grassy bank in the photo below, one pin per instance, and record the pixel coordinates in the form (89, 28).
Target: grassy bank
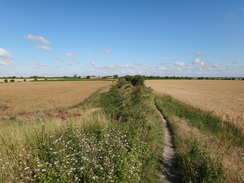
(118, 138)
(207, 149)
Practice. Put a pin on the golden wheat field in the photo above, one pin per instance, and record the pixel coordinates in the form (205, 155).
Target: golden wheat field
(224, 97)
(27, 97)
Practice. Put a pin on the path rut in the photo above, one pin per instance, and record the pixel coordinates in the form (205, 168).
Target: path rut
(169, 173)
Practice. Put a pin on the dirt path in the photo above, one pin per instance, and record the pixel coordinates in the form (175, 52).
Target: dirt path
(169, 156)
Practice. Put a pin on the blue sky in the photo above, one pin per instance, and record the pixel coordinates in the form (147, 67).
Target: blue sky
(107, 37)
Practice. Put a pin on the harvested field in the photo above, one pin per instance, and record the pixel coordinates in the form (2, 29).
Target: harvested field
(26, 97)
(224, 98)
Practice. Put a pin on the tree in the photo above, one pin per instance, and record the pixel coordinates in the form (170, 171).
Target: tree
(75, 76)
(116, 76)
(137, 80)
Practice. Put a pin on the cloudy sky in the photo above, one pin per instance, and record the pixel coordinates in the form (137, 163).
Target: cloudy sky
(107, 37)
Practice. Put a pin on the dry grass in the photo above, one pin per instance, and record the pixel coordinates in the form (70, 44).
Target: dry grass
(23, 98)
(224, 98)
(230, 157)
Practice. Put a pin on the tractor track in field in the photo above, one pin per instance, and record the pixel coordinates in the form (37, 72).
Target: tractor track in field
(169, 172)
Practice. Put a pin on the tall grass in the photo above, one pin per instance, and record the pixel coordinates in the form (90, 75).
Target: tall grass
(203, 149)
(103, 145)
(194, 163)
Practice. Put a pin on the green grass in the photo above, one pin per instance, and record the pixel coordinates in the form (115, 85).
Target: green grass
(127, 147)
(118, 138)
(195, 162)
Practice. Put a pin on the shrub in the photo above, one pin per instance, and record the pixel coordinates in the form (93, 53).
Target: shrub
(12, 80)
(137, 80)
(128, 78)
(5, 80)
(121, 82)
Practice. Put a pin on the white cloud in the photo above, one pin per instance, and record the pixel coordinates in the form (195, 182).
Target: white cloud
(197, 61)
(199, 53)
(5, 63)
(93, 63)
(162, 69)
(38, 38)
(59, 59)
(131, 67)
(108, 67)
(5, 54)
(70, 55)
(104, 50)
(216, 66)
(180, 64)
(229, 68)
(45, 48)
(138, 63)
(41, 64)
(179, 68)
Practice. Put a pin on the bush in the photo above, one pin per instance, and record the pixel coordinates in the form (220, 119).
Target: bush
(12, 80)
(5, 80)
(137, 80)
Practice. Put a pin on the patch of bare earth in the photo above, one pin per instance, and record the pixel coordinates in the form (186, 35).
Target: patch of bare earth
(231, 157)
(169, 173)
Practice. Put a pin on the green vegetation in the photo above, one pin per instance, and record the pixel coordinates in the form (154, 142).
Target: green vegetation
(197, 162)
(195, 165)
(125, 147)
(118, 138)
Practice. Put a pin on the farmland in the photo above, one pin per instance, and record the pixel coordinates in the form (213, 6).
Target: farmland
(107, 142)
(27, 97)
(118, 135)
(224, 98)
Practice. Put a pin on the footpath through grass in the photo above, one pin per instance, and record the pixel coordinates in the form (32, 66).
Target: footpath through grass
(203, 143)
(119, 138)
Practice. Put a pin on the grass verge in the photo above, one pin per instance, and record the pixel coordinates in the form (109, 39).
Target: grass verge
(203, 143)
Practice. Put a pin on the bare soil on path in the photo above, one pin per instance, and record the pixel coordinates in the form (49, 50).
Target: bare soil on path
(169, 173)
